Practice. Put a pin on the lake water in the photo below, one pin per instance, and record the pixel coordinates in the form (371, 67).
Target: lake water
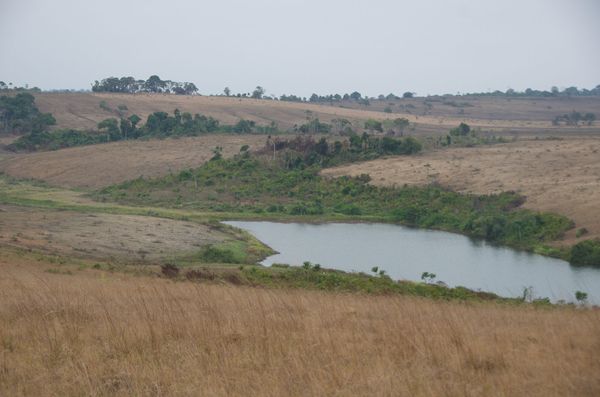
(405, 253)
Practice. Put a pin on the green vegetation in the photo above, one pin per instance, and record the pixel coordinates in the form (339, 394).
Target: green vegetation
(302, 152)
(586, 253)
(54, 140)
(154, 84)
(465, 136)
(18, 114)
(315, 277)
(275, 187)
(158, 125)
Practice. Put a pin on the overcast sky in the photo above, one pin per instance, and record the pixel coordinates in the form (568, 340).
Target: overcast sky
(294, 46)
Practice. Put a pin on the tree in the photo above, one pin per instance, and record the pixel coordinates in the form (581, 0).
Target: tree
(258, 92)
(227, 91)
(581, 296)
(190, 88)
(428, 277)
(356, 96)
(342, 126)
(400, 125)
(408, 94)
(111, 127)
(244, 126)
(373, 125)
(154, 84)
(462, 130)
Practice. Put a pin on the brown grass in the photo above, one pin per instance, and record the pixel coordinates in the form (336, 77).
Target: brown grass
(561, 176)
(94, 333)
(102, 165)
(82, 110)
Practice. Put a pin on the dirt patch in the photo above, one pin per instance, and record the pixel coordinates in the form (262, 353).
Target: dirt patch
(561, 176)
(102, 165)
(103, 236)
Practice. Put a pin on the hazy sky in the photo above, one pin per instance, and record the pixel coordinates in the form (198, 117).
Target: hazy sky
(300, 47)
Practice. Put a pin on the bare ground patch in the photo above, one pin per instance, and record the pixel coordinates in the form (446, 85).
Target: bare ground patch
(103, 236)
(96, 166)
(561, 176)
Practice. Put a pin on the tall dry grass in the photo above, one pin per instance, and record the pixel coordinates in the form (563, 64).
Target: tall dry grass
(88, 334)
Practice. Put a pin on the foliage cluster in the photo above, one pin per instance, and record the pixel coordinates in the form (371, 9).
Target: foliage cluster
(586, 253)
(18, 114)
(158, 125)
(153, 84)
(574, 119)
(305, 151)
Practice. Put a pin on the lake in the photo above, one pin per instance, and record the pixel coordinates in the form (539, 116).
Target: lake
(405, 253)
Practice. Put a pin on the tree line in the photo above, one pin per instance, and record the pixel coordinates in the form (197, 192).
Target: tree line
(153, 84)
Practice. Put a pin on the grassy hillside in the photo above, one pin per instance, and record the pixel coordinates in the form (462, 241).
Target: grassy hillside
(65, 331)
(84, 110)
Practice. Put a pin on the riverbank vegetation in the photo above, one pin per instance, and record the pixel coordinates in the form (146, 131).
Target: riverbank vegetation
(287, 184)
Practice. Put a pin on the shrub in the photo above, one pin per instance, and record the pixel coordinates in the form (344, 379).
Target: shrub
(169, 270)
(217, 255)
(197, 274)
(586, 253)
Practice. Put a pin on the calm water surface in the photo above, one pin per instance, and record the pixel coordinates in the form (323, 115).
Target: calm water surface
(405, 253)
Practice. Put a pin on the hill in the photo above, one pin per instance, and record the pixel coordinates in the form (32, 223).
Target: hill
(431, 115)
(558, 175)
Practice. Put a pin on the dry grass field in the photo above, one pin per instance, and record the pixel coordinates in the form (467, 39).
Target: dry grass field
(82, 111)
(102, 236)
(102, 165)
(112, 334)
(561, 176)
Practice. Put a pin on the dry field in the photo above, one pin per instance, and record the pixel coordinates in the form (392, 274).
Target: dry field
(561, 176)
(102, 165)
(102, 236)
(82, 111)
(111, 334)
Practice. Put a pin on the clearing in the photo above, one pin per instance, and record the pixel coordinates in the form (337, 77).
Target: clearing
(103, 236)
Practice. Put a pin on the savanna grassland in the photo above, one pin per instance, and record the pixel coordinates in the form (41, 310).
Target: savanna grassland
(71, 330)
(117, 278)
(431, 115)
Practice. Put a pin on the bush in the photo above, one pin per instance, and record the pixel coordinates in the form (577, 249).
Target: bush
(169, 270)
(213, 254)
(586, 253)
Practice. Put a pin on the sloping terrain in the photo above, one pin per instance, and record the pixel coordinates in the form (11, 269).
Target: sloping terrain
(93, 332)
(103, 236)
(561, 176)
(532, 115)
(102, 165)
